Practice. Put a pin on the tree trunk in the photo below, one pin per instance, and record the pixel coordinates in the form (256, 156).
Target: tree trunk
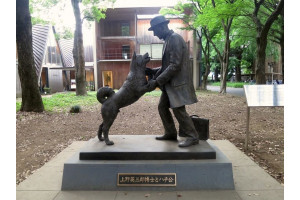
(205, 75)
(238, 72)
(224, 72)
(260, 74)
(282, 56)
(216, 79)
(225, 60)
(31, 97)
(261, 38)
(78, 51)
(206, 52)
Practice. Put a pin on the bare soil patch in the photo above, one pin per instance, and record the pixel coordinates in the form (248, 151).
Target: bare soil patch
(41, 136)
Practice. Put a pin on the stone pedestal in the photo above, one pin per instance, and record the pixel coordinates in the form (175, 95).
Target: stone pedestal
(197, 167)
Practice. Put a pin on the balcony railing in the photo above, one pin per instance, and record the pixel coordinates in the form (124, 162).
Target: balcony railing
(116, 54)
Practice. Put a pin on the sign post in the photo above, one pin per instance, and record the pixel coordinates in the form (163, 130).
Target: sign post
(261, 96)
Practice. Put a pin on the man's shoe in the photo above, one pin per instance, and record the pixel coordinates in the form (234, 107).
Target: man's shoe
(167, 137)
(188, 142)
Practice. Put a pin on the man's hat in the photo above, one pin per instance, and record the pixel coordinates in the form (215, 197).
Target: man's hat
(156, 21)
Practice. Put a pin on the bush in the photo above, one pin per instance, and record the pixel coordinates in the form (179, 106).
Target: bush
(75, 109)
(47, 90)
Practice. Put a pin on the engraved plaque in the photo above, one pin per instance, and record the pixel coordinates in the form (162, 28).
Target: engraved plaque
(264, 95)
(146, 179)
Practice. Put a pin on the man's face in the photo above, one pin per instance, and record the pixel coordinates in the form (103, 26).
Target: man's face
(158, 32)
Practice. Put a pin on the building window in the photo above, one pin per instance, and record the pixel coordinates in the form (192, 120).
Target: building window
(157, 50)
(154, 50)
(125, 51)
(145, 48)
(107, 78)
(125, 29)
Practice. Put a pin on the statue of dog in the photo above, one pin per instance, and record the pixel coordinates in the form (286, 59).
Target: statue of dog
(132, 89)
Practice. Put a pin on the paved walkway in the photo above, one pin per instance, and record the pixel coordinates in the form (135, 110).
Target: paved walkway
(229, 90)
(251, 182)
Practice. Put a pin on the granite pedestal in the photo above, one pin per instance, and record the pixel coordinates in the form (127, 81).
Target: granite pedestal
(203, 167)
(141, 147)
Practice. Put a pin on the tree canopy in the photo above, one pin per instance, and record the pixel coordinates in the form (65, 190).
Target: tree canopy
(235, 26)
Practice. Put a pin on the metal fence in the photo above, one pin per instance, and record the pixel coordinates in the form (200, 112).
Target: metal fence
(116, 53)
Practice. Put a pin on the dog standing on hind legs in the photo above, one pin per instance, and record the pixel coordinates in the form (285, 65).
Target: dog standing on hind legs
(134, 87)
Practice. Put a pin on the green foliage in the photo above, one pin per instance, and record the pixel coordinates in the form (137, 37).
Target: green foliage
(37, 20)
(92, 10)
(273, 51)
(67, 33)
(248, 58)
(47, 90)
(231, 84)
(209, 16)
(212, 15)
(37, 6)
(246, 67)
(18, 105)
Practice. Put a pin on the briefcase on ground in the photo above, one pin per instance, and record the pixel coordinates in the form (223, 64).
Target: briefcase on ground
(201, 125)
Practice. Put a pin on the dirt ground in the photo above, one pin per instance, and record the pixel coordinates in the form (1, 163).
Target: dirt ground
(42, 136)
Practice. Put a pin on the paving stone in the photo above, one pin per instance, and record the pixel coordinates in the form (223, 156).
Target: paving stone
(86, 195)
(223, 145)
(36, 195)
(209, 195)
(128, 195)
(75, 146)
(262, 195)
(253, 170)
(238, 158)
(46, 178)
(60, 159)
(256, 182)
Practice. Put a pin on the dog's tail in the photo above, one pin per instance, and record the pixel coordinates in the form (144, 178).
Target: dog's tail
(104, 93)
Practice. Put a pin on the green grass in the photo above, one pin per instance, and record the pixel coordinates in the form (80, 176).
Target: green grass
(231, 84)
(64, 101)
(155, 93)
(18, 105)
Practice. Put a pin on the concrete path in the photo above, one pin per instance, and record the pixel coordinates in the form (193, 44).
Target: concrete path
(251, 182)
(234, 91)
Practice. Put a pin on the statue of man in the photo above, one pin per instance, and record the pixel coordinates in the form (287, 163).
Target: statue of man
(174, 78)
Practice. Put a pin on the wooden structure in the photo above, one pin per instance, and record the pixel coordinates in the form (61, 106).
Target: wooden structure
(66, 46)
(123, 31)
(53, 60)
(46, 54)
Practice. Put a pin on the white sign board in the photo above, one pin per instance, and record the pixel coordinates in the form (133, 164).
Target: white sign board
(264, 95)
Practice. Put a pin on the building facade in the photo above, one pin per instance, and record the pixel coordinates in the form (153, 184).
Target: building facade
(123, 32)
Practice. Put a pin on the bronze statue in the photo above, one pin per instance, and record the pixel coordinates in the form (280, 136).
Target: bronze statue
(133, 88)
(174, 78)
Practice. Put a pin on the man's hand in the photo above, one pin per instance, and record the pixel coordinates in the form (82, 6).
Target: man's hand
(152, 84)
(149, 71)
